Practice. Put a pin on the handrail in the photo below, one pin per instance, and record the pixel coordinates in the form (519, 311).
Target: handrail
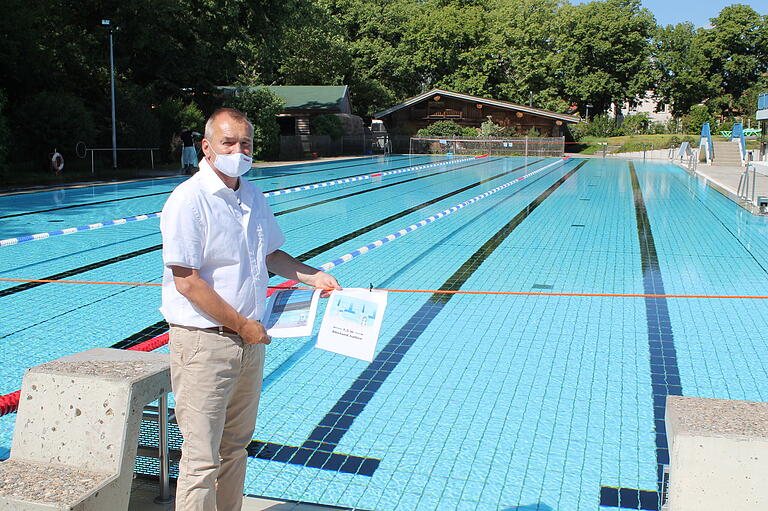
(738, 134)
(82, 151)
(706, 136)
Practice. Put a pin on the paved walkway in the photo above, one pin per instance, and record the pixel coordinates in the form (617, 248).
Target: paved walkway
(726, 181)
(153, 174)
(145, 490)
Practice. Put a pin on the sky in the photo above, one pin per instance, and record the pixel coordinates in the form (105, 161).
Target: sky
(671, 12)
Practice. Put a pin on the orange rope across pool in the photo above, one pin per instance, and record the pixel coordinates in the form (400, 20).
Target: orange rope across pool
(458, 292)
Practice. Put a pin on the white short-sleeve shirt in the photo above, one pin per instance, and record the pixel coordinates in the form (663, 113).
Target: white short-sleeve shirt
(206, 227)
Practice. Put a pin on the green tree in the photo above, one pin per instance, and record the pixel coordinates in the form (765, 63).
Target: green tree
(682, 65)
(737, 46)
(604, 52)
(522, 53)
(261, 106)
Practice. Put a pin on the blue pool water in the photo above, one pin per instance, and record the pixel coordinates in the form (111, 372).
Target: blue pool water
(476, 402)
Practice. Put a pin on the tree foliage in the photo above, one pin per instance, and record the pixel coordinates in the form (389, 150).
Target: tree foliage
(4, 134)
(548, 52)
(605, 52)
(260, 106)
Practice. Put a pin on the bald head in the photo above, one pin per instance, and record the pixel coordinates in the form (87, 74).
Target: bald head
(225, 115)
(228, 131)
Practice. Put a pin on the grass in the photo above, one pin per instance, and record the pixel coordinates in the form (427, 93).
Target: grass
(629, 143)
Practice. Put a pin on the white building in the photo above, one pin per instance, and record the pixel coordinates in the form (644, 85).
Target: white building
(647, 104)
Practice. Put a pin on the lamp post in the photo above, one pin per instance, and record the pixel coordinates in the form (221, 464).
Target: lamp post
(108, 25)
(588, 107)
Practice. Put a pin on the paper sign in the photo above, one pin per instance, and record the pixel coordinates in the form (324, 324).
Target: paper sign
(291, 312)
(352, 322)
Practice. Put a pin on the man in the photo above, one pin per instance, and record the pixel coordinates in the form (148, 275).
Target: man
(188, 151)
(220, 239)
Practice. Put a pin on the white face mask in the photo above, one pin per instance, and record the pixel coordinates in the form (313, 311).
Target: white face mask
(232, 165)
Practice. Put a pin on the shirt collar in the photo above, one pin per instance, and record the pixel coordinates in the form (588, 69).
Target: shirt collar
(214, 185)
(208, 178)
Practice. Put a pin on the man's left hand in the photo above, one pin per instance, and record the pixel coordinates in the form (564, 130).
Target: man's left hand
(326, 282)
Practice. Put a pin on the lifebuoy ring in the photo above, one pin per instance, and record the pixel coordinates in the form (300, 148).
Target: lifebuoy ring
(57, 161)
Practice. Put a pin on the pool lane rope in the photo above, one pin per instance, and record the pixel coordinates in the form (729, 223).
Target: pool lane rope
(9, 403)
(402, 232)
(139, 218)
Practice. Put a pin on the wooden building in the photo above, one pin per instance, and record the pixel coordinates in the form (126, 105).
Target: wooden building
(439, 105)
(303, 102)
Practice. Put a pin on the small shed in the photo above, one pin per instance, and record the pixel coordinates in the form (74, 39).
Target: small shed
(439, 105)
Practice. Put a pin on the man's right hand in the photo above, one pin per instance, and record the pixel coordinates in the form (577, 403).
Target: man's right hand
(253, 332)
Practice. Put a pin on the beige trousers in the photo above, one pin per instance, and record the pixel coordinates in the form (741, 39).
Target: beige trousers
(216, 382)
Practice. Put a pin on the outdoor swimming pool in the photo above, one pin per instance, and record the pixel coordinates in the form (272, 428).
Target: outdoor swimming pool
(474, 401)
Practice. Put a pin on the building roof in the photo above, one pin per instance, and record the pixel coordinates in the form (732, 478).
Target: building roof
(491, 102)
(306, 97)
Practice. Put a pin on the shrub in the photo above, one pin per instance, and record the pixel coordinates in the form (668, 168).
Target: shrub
(658, 128)
(446, 129)
(637, 124)
(579, 130)
(261, 106)
(327, 124)
(602, 126)
(726, 125)
(674, 125)
(695, 119)
(490, 129)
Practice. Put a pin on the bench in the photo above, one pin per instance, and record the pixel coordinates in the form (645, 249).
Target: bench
(77, 428)
(718, 451)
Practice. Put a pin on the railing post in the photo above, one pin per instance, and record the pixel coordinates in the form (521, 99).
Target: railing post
(165, 496)
(152, 157)
(93, 169)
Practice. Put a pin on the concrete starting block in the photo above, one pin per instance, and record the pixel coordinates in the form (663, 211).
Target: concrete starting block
(77, 428)
(718, 452)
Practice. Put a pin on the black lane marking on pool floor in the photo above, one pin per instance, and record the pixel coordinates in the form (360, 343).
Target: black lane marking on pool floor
(75, 271)
(161, 326)
(169, 191)
(342, 239)
(302, 257)
(317, 450)
(665, 374)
